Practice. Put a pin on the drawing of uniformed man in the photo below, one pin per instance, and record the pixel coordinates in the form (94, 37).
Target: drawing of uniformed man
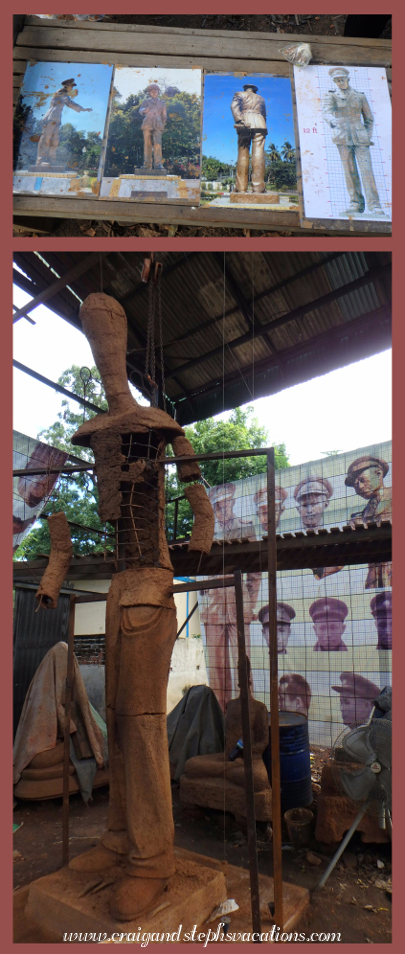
(349, 116)
(381, 608)
(357, 696)
(294, 693)
(52, 120)
(249, 113)
(312, 495)
(328, 615)
(285, 615)
(366, 475)
(260, 502)
(155, 118)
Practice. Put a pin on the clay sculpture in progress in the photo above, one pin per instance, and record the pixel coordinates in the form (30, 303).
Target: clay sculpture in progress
(128, 442)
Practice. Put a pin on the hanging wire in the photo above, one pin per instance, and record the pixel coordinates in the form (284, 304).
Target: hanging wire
(162, 360)
(101, 273)
(150, 367)
(253, 328)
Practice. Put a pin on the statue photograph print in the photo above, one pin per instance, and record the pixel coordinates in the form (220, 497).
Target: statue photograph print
(248, 155)
(344, 131)
(154, 136)
(59, 128)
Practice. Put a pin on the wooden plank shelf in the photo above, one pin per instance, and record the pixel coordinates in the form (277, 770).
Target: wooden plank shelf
(209, 50)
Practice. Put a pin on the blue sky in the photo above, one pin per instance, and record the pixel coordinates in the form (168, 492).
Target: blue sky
(93, 83)
(219, 136)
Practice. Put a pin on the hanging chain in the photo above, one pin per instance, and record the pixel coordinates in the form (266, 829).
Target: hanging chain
(162, 360)
(150, 367)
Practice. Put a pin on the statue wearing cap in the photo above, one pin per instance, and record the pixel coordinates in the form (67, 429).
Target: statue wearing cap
(357, 696)
(285, 615)
(381, 608)
(312, 495)
(260, 502)
(366, 475)
(51, 122)
(327, 615)
(348, 113)
(249, 112)
(155, 118)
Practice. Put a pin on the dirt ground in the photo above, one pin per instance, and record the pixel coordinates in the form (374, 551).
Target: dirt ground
(350, 903)
(330, 25)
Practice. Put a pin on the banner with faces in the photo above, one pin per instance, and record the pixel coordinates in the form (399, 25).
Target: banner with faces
(334, 625)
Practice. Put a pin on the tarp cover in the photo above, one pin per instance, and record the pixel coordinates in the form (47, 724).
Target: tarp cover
(43, 714)
(195, 727)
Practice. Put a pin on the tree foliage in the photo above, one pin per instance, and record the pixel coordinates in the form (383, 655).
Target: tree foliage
(77, 150)
(180, 140)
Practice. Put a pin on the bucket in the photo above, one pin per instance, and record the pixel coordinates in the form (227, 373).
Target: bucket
(299, 823)
(295, 765)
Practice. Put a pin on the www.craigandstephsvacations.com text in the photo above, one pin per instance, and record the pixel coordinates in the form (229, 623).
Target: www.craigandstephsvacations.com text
(203, 937)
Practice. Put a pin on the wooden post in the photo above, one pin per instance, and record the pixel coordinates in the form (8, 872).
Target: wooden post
(66, 733)
(247, 757)
(274, 720)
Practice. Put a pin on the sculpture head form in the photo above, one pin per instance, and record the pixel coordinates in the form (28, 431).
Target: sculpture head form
(340, 76)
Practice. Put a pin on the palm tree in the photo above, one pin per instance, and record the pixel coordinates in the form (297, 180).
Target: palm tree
(273, 153)
(287, 152)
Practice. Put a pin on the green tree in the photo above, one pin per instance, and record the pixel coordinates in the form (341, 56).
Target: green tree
(77, 496)
(272, 153)
(240, 431)
(287, 152)
(211, 168)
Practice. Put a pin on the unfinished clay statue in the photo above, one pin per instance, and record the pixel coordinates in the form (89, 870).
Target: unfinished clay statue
(59, 561)
(219, 764)
(128, 443)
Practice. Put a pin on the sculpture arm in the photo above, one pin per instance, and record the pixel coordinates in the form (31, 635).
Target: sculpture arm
(76, 106)
(368, 117)
(59, 561)
(236, 109)
(204, 520)
(328, 110)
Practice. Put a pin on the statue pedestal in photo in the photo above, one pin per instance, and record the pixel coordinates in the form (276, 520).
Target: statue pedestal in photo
(145, 188)
(145, 171)
(47, 167)
(67, 902)
(255, 198)
(43, 183)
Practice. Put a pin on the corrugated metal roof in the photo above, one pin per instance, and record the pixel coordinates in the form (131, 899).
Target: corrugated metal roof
(282, 312)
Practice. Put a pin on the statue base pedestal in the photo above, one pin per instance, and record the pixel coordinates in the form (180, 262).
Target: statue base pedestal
(49, 167)
(145, 171)
(144, 188)
(261, 198)
(48, 908)
(69, 902)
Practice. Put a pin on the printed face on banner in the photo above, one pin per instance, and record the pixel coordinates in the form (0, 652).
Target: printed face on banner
(248, 142)
(30, 494)
(154, 138)
(344, 128)
(59, 128)
(334, 624)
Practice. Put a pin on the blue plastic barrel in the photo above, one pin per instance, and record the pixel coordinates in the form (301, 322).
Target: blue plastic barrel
(295, 764)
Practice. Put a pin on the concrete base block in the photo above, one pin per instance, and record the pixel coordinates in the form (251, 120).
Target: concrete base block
(259, 198)
(209, 793)
(69, 902)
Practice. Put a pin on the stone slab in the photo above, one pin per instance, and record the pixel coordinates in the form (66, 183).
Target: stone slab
(58, 905)
(151, 187)
(210, 793)
(255, 198)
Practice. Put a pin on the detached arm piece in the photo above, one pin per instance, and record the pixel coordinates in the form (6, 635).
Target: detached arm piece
(189, 470)
(59, 561)
(204, 520)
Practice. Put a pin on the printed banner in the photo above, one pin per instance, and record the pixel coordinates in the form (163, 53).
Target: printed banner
(334, 624)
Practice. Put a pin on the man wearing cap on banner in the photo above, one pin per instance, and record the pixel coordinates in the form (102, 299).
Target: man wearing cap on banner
(155, 119)
(218, 612)
(249, 113)
(327, 615)
(357, 696)
(312, 495)
(381, 608)
(260, 502)
(366, 475)
(285, 614)
(294, 694)
(348, 114)
(51, 122)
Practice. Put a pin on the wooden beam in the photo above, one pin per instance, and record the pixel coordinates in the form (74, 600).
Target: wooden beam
(52, 290)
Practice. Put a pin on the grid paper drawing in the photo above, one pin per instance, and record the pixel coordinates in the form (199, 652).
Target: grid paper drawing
(337, 180)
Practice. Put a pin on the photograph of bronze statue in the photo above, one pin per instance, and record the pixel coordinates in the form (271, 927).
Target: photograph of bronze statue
(249, 112)
(128, 442)
(59, 128)
(154, 135)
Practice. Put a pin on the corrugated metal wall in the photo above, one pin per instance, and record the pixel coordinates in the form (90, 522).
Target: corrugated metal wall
(34, 634)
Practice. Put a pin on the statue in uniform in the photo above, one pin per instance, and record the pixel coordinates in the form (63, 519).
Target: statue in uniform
(155, 119)
(348, 114)
(249, 113)
(51, 122)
